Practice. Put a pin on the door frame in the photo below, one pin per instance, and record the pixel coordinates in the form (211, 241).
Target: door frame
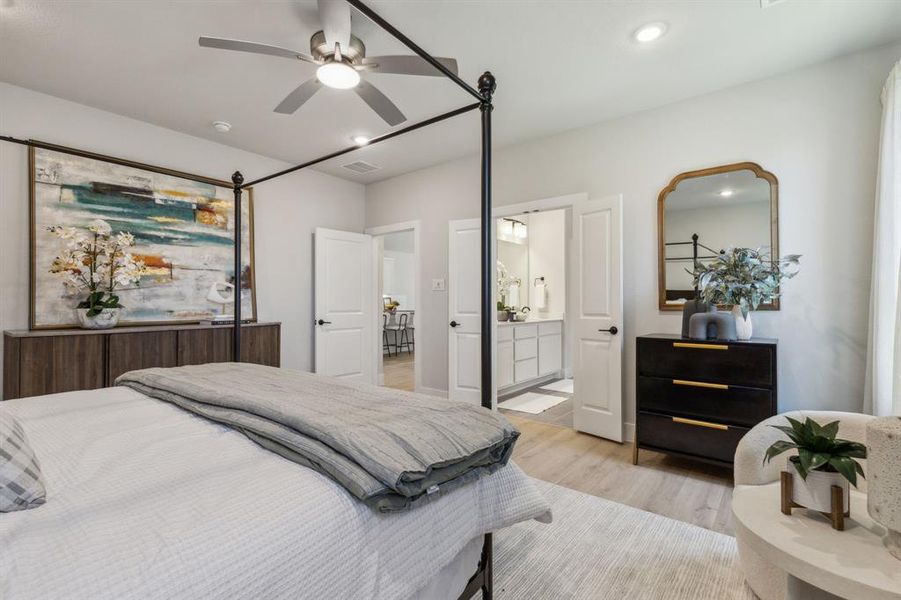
(376, 232)
(566, 201)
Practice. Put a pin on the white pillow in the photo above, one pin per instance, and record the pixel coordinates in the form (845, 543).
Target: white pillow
(21, 483)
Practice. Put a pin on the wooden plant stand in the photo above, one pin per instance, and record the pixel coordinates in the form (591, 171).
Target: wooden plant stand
(836, 515)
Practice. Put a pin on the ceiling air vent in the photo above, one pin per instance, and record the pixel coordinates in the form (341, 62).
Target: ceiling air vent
(361, 166)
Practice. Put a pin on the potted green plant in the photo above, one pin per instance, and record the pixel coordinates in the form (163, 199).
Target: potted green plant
(823, 460)
(502, 313)
(96, 262)
(743, 279)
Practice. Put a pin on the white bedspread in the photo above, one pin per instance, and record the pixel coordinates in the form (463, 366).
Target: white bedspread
(147, 501)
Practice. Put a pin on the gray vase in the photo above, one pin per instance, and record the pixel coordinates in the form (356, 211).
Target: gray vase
(690, 308)
(716, 325)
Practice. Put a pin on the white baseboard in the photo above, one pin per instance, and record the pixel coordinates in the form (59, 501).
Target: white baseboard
(629, 432)
(431, 391)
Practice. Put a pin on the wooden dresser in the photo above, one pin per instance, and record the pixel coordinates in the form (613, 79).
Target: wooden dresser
(698, 398)
(63, 360)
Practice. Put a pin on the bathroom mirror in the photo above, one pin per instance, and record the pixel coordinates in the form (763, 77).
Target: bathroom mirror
(702, 213)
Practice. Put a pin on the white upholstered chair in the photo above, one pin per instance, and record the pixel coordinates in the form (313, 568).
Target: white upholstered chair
(765, 578)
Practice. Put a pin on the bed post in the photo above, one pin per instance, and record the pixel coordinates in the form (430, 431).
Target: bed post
(237, 180)
(487, 85)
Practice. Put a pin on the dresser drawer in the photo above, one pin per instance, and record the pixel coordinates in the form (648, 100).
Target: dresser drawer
(743, 364)
(550, 328)
(527, 348)
(732, 405)
(523, 370)
(695, 437)
(525, 331)
(504, 333)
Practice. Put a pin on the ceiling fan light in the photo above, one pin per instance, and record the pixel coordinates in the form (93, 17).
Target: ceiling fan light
(338, 75)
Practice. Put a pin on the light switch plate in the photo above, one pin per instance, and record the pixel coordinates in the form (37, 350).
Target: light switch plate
(438, 285)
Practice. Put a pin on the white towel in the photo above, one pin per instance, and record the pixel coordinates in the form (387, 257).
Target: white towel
(539, 297)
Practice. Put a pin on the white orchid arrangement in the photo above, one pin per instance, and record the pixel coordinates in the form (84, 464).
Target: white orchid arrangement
(505, 281)
(97, 262)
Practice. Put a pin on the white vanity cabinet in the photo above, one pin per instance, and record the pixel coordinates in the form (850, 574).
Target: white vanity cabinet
(527, 351)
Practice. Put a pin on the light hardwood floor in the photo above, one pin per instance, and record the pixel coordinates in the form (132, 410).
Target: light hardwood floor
(399, 372)
(673, 487)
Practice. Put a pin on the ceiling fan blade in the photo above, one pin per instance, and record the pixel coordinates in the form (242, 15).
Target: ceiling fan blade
(296, 99)
(241, 46)
(380, 103)
(335, 18)
(408, 65)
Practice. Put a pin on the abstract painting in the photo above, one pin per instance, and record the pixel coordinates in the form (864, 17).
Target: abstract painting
(183, 230)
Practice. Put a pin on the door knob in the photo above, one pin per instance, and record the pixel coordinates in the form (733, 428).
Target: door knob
(453, 323)
(321, 322)
(612, 331)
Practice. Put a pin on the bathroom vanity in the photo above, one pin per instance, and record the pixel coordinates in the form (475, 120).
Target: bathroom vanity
(528, 352)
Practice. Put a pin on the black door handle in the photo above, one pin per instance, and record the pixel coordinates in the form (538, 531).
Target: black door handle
(321, 322)
(612, 331)
(453, 323)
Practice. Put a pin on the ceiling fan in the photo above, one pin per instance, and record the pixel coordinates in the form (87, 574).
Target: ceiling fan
(341, 58)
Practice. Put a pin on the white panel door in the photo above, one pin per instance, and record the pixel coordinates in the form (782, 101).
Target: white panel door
(598, 319)
(463, 308)
(344, 305)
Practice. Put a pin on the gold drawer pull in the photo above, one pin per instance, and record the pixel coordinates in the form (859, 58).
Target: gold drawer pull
(700, 346)
(701, 423)
(701, 384)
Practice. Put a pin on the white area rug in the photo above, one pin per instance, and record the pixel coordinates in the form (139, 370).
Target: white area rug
(531, 402)
(561, 385)
(597, 549)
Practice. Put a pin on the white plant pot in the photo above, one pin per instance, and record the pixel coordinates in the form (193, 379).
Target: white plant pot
(815, 492)
(743, 329)
(107, 319)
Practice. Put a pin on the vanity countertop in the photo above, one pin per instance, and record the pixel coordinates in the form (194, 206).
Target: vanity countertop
(531, 320)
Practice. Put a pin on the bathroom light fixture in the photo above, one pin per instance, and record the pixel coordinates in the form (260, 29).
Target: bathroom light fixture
(520, 230)
(222, 126)
(726, 193)
(649, 33)
(506, 227)
(360, 140)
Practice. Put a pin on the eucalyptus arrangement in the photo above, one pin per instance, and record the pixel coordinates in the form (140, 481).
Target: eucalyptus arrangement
(96, 263)
(743, 278)
(818, 449)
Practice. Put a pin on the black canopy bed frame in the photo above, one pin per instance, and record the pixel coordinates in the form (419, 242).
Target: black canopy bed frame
(482, 579)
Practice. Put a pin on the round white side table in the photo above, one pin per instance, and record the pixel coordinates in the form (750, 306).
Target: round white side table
(821, 563)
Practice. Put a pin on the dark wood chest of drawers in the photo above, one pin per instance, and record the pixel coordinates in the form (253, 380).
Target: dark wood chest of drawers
(698, 398)
(65, 360)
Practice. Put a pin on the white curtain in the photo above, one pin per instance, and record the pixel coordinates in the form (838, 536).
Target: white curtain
(882, 395)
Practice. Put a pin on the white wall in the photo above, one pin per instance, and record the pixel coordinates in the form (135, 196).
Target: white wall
(399, 278)
(548, 236)
(286, 209)
(816, 129)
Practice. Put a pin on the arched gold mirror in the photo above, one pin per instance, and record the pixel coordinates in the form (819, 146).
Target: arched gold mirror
(701, 213)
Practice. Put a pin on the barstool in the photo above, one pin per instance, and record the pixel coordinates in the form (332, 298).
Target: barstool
(385, 344)
(404, 335)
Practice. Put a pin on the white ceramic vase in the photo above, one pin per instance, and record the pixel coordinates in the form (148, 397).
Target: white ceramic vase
(815, 492)
(106, 319)
(743, 327)
(884, 478)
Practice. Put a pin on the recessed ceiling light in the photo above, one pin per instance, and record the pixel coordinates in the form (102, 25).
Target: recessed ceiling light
(726, 193)
(222, 126)
(360, 140)
(649, 33)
